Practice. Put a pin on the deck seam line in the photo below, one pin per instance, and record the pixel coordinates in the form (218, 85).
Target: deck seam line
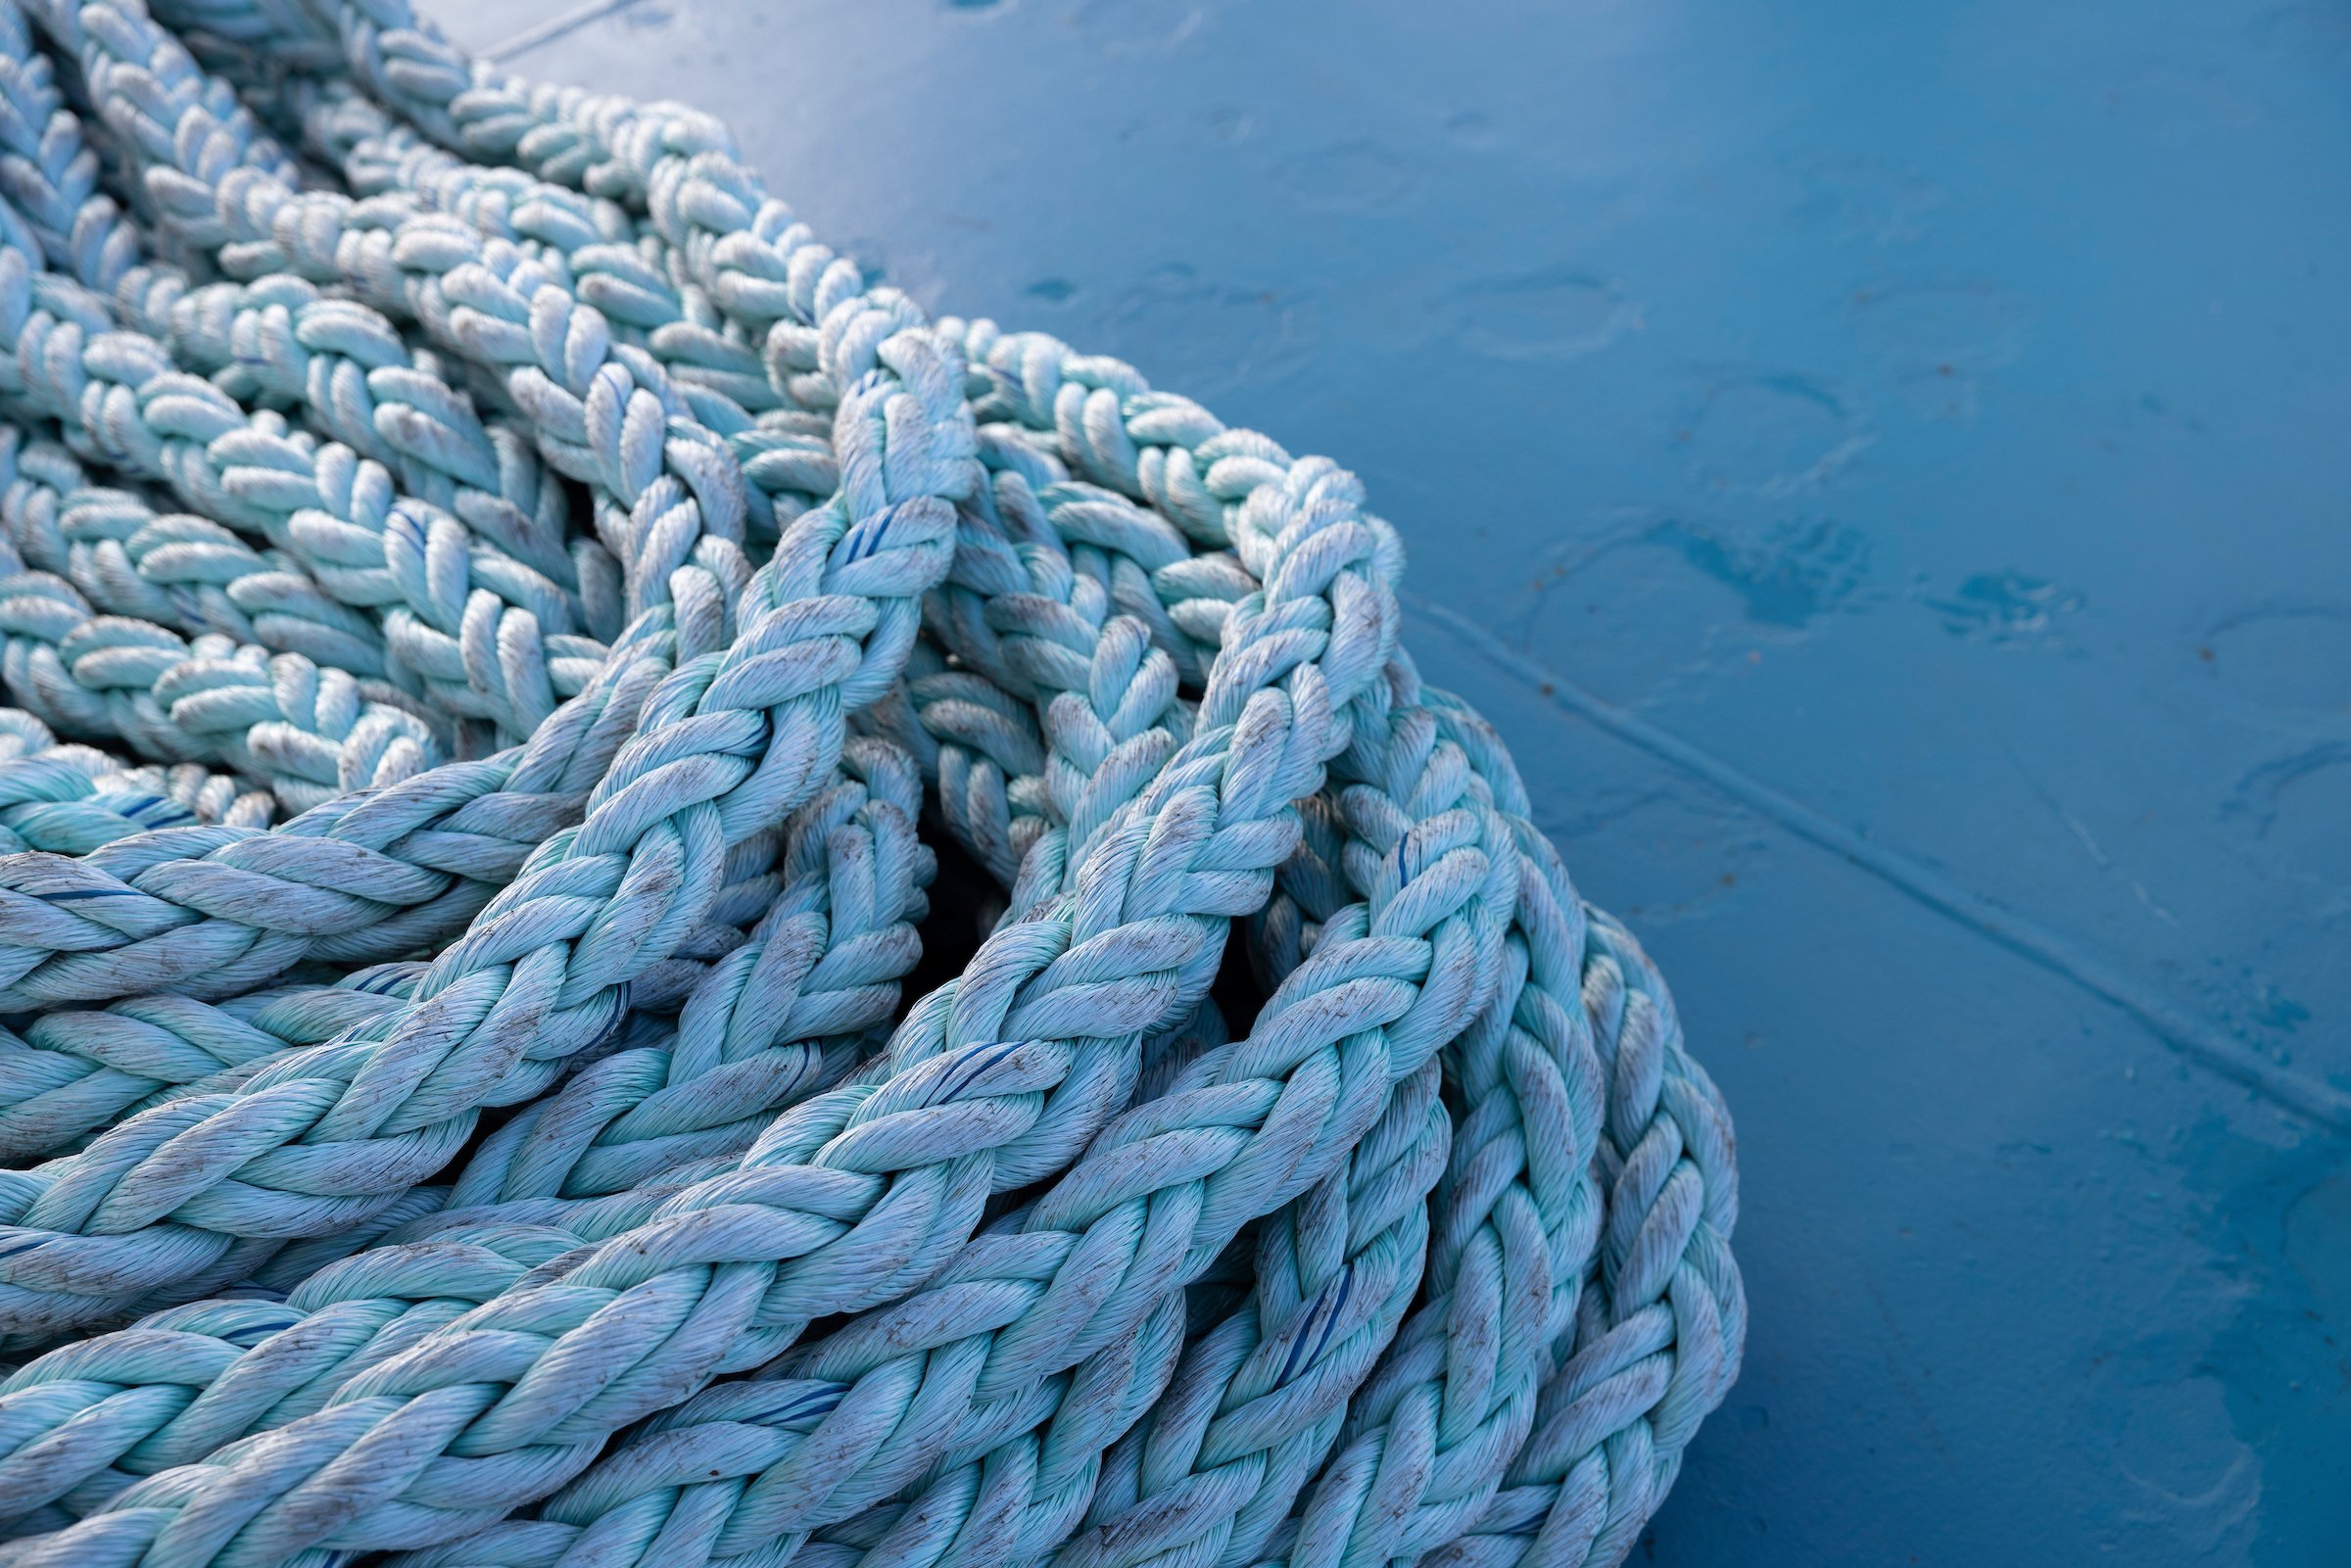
(2189, 1036)
(553, 27)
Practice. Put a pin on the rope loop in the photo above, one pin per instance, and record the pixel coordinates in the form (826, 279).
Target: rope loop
(657, 910)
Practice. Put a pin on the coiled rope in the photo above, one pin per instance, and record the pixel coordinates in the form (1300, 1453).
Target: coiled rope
(526, 1151)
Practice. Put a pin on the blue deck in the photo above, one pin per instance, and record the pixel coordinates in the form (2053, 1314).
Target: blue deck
(1885, 468)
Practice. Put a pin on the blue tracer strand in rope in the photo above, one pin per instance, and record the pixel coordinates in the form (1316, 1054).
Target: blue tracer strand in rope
(859, 558)
(867, 342)
(878, 1130)
(1647, 1182)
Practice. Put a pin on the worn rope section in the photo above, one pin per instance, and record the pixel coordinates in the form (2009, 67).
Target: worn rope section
(614, 582)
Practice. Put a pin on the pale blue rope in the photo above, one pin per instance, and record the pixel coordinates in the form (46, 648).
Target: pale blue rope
(665, 504)
(1113, 471)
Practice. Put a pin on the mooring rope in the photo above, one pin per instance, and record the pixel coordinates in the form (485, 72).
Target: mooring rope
(497, 605)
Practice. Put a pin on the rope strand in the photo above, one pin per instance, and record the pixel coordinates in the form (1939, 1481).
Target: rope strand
(1062, 1270)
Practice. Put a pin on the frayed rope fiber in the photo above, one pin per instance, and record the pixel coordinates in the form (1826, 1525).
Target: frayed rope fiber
(506, 627)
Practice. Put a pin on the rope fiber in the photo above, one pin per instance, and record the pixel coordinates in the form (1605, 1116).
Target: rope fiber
(655, 910)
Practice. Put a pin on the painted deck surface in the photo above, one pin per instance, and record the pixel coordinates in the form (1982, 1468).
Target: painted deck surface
(1884, 468)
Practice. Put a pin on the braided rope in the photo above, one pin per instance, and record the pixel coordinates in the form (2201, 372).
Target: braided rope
(1118, 1288)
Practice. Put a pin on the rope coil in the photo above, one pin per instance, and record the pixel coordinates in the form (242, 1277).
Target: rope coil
(531, 1151)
